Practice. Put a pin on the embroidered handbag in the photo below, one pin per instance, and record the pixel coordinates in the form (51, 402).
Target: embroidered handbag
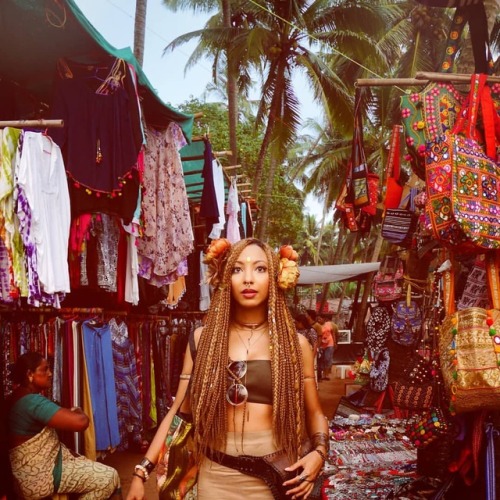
(176, 471)
(378, 328)
(461, 180)
(475, 174)
(399, 224)
(427, 427)
(379, 372)
(469, 349)
(413, 396)
(388, 282)
(426, 115)
(406, 322)
(393, 188)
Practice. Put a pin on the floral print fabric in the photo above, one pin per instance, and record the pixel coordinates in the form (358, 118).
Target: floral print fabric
(168, 234)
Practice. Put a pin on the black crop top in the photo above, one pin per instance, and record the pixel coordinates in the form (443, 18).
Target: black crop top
(258, 381)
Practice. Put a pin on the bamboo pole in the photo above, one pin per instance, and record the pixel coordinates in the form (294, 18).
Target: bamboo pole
(41, 123)
(421, 78)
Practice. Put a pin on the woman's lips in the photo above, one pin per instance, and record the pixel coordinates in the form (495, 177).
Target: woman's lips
(249, 294)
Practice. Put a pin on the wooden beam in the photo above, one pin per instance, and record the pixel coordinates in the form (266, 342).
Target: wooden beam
(451, 77)
(421, 78)
(32, 123)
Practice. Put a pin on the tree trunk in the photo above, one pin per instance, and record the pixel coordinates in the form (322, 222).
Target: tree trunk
(273, 116)
(264, 214)
(360, 321)
(140, 29)
(231, 87)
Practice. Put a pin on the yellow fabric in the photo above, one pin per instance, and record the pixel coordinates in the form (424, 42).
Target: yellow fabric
(477, 383)
(89, 444)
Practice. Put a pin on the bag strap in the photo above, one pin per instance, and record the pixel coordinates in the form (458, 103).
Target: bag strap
(393, 160)
(475, 15)
(493, 275)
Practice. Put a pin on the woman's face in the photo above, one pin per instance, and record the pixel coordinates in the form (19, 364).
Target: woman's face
(42, 376)
(250, 277)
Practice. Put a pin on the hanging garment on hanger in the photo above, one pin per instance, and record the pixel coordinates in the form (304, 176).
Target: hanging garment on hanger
(232, 209)
(168, 234)
(44, 215)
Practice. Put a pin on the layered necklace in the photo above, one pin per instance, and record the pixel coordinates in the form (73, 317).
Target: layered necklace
(250, 328)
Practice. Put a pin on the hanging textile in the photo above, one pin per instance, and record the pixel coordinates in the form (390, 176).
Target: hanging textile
(168, 234)
(218, 177)
(42, 198)
(232, 209)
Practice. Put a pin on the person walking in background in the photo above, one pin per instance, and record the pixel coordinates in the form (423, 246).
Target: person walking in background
(328, 346)
(41, 465)
(303, 324)
(251, 388)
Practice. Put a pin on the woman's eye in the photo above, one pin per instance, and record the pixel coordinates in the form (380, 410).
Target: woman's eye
(236, 270)
(262, 269)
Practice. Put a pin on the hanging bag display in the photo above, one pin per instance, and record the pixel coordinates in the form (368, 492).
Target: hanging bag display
(388, 282)
(357, 200)
(469, 348)
(462, 178)
(393, 188)
(399, 224)
(406, 321)
(415, 389)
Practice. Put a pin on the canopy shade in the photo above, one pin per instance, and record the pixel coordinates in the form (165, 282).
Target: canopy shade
(34, 34)
(310, 275)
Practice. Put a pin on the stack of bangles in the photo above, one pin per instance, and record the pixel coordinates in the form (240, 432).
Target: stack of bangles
(320, 439)
(146, 467)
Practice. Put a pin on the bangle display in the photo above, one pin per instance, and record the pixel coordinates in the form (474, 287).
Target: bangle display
(143, 479)
(147, 464)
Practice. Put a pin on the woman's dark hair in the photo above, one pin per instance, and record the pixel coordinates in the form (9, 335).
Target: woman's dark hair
(27, 361)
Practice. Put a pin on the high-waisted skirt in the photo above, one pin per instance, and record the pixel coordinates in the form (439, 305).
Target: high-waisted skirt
(217, 481)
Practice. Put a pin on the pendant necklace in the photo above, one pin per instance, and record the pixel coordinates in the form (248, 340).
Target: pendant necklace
(250, 344)
(252, 326)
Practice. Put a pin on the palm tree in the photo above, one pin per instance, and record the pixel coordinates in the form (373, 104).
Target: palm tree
(216, 41)
(140, 29)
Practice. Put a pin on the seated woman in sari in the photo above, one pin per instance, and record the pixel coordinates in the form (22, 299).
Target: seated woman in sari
(41, 464)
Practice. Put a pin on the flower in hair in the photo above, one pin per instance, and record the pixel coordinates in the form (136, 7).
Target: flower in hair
(288, 273)
(215, 256)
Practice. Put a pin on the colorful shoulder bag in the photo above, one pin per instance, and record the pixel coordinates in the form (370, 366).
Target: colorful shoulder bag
(469, 348)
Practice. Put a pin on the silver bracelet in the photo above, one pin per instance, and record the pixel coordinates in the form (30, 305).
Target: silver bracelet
(147, 464)
(143, 470)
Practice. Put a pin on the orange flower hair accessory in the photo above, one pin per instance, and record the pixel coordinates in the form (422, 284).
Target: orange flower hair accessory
(215, 257)
(288, 273)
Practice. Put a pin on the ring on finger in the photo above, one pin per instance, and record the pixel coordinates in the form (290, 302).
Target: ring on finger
(303, 478)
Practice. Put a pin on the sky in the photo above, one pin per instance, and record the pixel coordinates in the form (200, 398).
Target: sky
(114, 19)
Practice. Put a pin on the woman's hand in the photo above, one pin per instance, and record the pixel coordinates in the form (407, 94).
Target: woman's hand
(136, 490)
(310, 467)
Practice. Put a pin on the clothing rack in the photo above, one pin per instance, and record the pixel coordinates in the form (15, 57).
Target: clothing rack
(421, 78)
(41, 123)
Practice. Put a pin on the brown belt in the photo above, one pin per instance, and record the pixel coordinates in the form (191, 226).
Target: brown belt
(266, 468)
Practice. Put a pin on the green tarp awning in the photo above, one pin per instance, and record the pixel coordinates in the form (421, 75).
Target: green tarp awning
(34, 34)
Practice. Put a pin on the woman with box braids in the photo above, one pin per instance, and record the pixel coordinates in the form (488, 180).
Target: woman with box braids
(251, 388)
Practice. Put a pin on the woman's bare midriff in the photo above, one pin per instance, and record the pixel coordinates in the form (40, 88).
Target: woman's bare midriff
(258, 417)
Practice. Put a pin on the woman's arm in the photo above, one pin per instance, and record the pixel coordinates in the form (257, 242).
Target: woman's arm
(311, 464)
(74, 419)
(136, 491)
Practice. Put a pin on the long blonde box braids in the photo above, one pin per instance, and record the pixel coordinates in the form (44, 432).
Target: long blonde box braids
(209, 377)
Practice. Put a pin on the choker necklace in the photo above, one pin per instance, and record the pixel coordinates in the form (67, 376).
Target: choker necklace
(251, 328)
